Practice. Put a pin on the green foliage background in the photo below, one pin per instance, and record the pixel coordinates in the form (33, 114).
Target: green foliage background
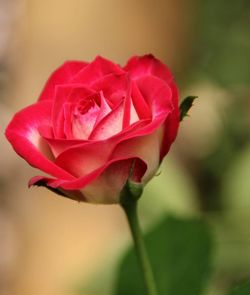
(205, 247)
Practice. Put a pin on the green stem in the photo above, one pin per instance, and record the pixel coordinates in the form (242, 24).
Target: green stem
(130, 209)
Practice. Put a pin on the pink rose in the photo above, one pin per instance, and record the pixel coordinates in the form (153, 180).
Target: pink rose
(92, 121)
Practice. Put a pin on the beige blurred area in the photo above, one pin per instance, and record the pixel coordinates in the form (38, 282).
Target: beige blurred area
(48, 242)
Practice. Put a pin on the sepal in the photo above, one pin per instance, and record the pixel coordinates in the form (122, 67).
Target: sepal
(131, 191)
(186, 105)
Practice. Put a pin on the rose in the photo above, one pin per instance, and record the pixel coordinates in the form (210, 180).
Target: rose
(93, 122)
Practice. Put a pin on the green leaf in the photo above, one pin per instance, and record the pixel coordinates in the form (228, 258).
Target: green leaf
(180, 253)
(186, 105)
(243, 289)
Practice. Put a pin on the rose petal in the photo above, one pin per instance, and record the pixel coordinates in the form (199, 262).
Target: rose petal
(171, 124)
(127, 108)
(67, 111)
(133, 114)
(46, 131)
(64, 74)
(66, 94)
(104, 109)
(23, 134)
(109, 125)
(141, 106)
(113, 86)
(156, 93)
(145, 148)
(58, 146)
(148, 65)
(83, 158)
(97, 69)
(102, 185)
(106, 188)
(82, 125)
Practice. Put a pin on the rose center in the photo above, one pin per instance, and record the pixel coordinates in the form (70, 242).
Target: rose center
(84, 117)
(85, 105)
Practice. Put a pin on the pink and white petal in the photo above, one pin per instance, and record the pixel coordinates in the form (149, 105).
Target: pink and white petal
(104, 184)
(113, 86)
(130, 115)
(67, 110)
(146, 148)
(97, 69)
(104, 109)
(58, 146)
(106, 188)
(148, 65)
(171, 124)
(79, 92)
(126, 109)
(64, 74)
(133, 114)
(84, 158)
(141, 106)
(46, 131)
(82, 125)
(61, 95)
(109, 125)
(175, 95)
(157, 94)
(148, 126)
(23, 134)
(66, 94)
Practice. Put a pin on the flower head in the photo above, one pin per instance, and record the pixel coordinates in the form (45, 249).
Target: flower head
(92, 121)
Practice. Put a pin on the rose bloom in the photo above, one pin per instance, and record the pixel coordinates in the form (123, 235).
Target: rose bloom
(93, 122)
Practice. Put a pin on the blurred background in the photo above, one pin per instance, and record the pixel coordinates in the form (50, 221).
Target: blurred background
(54, 246)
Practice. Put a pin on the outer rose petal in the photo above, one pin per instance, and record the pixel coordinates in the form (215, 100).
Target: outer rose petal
(101, 186)
(145, 148)
(64, 74)
(171, 124)
(99, 68)
(107, 187)
(140, 66)
(23, 134)
(157, 94)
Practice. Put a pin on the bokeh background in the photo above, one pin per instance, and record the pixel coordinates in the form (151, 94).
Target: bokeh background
(54, 246)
